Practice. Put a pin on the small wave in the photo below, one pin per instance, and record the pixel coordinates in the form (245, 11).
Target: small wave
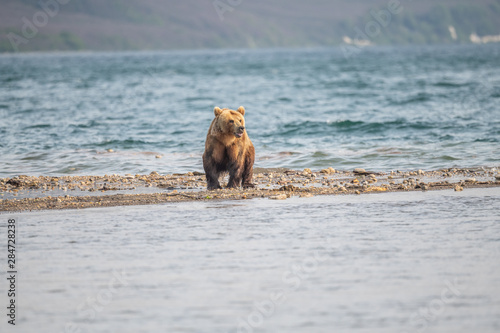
(89, 124)
(450, 84)
(28, 111)
(346, 123)
(446, 137)
(38, 126)
(494, 140)
(35, 157)
(319, 154)
(123, 144)
(414, 99)
(317, 128)
(448, 158)
(12, 78)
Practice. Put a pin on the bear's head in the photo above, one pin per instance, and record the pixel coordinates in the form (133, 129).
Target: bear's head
(229, 121)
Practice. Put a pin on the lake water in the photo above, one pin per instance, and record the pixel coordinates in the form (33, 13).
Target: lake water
(395, 262)
(382, 109)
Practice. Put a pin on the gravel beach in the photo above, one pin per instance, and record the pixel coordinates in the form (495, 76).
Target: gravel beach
(29, 193)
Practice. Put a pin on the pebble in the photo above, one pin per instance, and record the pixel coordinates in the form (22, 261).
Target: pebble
(458, 188)
(328, 171)
(306, 195)
(158, 156)
(359, 170)
(376, 189)
(278, 197)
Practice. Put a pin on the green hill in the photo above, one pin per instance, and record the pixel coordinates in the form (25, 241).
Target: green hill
(41, 25)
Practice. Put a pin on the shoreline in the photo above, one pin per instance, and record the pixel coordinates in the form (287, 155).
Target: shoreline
(29, 193)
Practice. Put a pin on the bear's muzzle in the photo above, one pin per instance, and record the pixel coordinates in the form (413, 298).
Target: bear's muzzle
(240, 132)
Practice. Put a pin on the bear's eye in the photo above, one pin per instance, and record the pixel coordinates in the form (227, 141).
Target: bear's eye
(231, 121)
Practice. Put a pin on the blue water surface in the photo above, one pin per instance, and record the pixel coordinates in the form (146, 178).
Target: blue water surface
(384, 108)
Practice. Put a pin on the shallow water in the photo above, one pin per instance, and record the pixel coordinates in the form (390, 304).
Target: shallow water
(395, 262)
(383, 109)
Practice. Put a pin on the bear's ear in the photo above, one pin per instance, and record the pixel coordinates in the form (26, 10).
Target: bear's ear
(241, 110)
(217, 111)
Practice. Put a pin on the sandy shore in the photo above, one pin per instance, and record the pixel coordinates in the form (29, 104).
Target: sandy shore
(27, 193)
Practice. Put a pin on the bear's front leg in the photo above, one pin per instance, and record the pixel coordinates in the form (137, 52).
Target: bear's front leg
(247, 177)
(213, 182)
(235, 173)
(248, 170)
(247, 181)
(211, 174)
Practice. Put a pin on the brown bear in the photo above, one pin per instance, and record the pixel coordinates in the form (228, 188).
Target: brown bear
(228, 149)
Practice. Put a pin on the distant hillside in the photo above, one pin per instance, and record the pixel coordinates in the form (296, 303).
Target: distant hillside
(35, 25)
